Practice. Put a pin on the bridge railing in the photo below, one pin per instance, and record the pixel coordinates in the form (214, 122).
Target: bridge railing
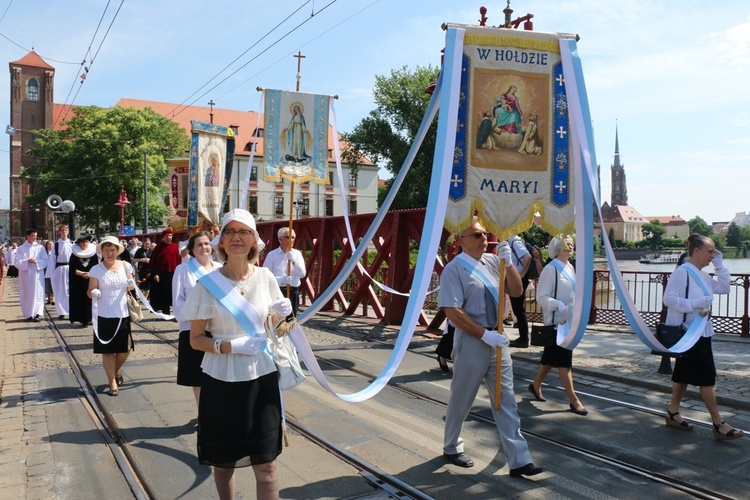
(325, 244)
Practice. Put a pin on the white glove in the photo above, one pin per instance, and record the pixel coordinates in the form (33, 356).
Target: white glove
(96, 293)
(245, 345)
(285, 280)
(503, 251)
(562, 311)
(717, 260)
(282, 307)
(702, 303)
(555, 305)
(494, 339)
(131, 282)
(289, 256)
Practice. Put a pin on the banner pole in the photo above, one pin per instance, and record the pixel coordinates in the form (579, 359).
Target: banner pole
(289, 238)
(500, 317)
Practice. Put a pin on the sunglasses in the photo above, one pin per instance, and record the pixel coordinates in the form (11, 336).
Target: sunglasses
(477, 235)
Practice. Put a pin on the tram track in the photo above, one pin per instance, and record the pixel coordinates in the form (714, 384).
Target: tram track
(376, 477)
(591, 455)
(372, 474)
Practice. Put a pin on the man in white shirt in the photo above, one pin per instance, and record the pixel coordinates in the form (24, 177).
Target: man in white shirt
(31, 261)
(288, 265)
(60, 274)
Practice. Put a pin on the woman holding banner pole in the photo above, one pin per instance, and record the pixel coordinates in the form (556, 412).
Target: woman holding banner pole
(555, 294)
(697, 366)
(240, 410)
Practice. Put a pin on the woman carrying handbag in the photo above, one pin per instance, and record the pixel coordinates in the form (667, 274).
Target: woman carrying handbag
(555, 294)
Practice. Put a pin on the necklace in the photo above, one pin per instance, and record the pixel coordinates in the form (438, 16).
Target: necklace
(239, 284)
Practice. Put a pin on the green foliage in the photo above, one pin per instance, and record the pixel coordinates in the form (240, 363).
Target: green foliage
(653, 232)
(734, 237)
(535, 235)
(97, 152)
(719, 241)
(387, 133)
(700, 226)
(611, 236)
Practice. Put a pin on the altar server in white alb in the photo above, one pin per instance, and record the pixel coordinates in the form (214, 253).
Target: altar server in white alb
(288, 266)
(60, 277)
(31, 261)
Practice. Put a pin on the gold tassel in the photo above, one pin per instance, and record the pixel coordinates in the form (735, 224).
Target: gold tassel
(285, 327)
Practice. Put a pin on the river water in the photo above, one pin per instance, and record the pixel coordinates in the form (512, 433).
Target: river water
(735, 266)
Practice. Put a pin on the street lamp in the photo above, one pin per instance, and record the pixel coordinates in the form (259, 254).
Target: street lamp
(121, 202)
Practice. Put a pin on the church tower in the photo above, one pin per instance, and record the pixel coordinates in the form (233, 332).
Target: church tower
(619, 186)
(31, 108)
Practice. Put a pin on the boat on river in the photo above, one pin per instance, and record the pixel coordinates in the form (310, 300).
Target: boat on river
(670, 257)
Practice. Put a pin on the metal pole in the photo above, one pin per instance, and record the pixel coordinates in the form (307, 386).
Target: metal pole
(145, 192)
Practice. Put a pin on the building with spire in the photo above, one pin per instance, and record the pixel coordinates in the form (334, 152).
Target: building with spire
(619, 185)
(32, 82)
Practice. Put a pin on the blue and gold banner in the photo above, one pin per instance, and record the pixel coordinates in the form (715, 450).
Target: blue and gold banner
(296, 140)
(211, 157)
(512, 157)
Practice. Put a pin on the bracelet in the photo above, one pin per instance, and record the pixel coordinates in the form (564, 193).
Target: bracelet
(217, 346)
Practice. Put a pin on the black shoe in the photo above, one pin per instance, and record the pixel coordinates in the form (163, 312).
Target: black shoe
(62, 316)
(527, 470)
(460, 459)
(520, 343)
(579, 411)
(36, 318)
(30, 318)
(443, 363)
(532, 390)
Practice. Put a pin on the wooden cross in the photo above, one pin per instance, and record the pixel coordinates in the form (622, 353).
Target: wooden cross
(299, 57)
(211, 113)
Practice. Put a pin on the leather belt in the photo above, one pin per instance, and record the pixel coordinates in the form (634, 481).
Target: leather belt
(63, 263)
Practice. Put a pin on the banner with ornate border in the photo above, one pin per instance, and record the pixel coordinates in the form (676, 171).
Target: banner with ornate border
(513, 147)
(211, 158)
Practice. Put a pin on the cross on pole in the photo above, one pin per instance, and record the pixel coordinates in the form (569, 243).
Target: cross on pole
(211, 113)
(299, 57)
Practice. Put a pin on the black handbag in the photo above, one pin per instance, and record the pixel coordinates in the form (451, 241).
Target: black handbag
(545, 335)
(669, 335)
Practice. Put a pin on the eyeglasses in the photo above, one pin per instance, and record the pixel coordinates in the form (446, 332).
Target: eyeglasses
(477, 235)
(244, 233)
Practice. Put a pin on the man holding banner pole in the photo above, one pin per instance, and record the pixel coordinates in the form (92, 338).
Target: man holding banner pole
(469, 291)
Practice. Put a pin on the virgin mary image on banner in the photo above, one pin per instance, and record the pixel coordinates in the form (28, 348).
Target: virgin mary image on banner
(296, 143)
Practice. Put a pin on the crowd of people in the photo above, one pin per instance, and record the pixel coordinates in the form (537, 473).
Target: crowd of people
(227, 306)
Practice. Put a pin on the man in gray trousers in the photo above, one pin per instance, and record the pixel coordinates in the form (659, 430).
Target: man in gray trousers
(468, 295)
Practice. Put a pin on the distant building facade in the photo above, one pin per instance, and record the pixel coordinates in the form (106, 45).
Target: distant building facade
(741, 219)
(32, 83)
(626, 222)
(676, 226)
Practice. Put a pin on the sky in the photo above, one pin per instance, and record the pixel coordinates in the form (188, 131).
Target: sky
(671, 76)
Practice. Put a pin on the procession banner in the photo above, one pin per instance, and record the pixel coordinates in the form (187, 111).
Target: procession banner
(296, 141)
(513, 144)
(211, 157)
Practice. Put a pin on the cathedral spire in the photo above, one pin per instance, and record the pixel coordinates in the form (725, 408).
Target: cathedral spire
(617, 148)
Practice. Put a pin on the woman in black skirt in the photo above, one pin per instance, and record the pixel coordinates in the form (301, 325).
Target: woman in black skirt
(189, 360)
(109, 283)
(84, 259)
(555, 294)
(697, 366)
(239, 413)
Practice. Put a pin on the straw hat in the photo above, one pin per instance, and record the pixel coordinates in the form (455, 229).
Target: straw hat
(112, 240)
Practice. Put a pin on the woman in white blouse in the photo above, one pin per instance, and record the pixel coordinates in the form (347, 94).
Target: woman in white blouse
(555, 294)
(239, 412)
(697, 366)
(185, 277)
(109, 283)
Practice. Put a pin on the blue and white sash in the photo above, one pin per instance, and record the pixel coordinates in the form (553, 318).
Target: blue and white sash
(228, 296)
(698, 325)
(480, 271)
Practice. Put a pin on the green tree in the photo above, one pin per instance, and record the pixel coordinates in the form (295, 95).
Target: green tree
(698, 225)
(98, 151)
(611, 236)
(719, 240)
(654, 232)
(536, 236)
(388, 132)
(745, 233)
(734, 237)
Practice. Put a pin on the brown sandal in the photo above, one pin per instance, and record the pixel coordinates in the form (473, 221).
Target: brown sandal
(671, 422)
(732, 433)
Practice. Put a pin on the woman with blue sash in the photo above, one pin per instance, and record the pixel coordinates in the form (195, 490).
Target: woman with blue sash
(688, 297)
(185, 277)
(240, 407)
(555, 294)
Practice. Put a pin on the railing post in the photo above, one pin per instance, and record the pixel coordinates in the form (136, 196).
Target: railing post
(745, 331)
